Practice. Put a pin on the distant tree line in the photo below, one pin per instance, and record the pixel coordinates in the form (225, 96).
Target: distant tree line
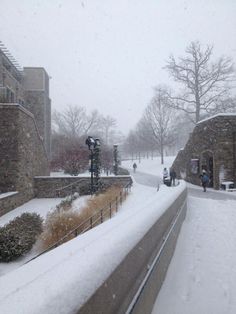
(70, 129)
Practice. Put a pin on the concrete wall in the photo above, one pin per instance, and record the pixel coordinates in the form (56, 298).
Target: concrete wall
(47, 186)
(22, 152)
(216, 137)
(124, 282)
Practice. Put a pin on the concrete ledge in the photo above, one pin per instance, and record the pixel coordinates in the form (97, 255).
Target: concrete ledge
(117, 293)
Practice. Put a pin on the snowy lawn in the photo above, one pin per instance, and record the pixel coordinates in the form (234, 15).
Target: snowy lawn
(62, 280)
(151, 166)
(202, 274)
(42, 207)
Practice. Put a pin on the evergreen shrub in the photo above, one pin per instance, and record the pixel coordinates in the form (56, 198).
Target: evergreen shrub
(18, 236)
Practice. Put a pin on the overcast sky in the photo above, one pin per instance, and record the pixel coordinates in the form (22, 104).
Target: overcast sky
(109, 54)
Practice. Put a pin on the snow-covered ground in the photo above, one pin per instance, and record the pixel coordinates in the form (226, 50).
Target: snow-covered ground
(40, 206)
(201, 277)
(202, 274)
(151, 166)
(62, 279)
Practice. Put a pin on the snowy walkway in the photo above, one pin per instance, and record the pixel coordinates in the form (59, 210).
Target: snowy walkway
(147, 179)
(202, 275)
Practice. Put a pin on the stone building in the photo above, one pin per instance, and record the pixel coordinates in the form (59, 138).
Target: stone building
(25, 127)
(29, 88)
(211, 146)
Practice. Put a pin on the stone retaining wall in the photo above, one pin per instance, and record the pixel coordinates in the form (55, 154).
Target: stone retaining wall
(9, 202)
(213, 138)
(22, 152)
(47, 186)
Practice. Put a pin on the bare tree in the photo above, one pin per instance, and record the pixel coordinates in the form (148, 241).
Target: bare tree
(107, 123)
(157, 121)
(74, 121)
(205, 83)
(131, 144)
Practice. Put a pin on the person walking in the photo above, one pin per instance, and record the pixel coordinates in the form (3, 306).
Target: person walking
(134, 166)
(204, 179)
(172, 176)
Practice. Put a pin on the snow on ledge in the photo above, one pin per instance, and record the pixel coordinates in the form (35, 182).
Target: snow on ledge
(80, 176)
(61, 280)
(228, 114)
(7, 194)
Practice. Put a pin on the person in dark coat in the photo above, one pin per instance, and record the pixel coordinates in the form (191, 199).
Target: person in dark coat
(134, 166)
(172, 176)
(204, 179)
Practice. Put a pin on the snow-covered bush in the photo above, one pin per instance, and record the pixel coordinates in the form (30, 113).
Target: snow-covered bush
(18, 236)
(66, 203)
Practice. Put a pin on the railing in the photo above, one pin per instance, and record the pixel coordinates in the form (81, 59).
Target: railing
(93, 220)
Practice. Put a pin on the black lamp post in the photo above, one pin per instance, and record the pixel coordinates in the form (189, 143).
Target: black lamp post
(94, 147)
(115, 155)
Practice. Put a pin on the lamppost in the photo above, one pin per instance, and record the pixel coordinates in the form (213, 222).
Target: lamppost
(94, 147)
(115, 155)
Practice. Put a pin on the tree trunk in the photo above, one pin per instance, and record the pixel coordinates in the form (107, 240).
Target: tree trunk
(162, 151)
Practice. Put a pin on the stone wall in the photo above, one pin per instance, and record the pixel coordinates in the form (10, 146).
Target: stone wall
(47, 186)
(40, 106)
(22, 152)
(36, 85)
(9, 201)
(10, 78)
(213, 139)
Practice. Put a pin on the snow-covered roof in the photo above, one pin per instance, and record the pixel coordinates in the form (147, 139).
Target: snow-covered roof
(224, 114)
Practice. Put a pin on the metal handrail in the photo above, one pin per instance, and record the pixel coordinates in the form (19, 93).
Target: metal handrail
(90, 220)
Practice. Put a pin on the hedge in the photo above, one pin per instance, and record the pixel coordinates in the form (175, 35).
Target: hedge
(18, 236)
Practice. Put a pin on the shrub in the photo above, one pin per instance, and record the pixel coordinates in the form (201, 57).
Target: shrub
(57, 225)
(67, 202)
(18, 236)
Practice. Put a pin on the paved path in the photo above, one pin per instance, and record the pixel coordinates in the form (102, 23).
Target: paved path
(147, 179)
(153, 180)
(211, 194)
